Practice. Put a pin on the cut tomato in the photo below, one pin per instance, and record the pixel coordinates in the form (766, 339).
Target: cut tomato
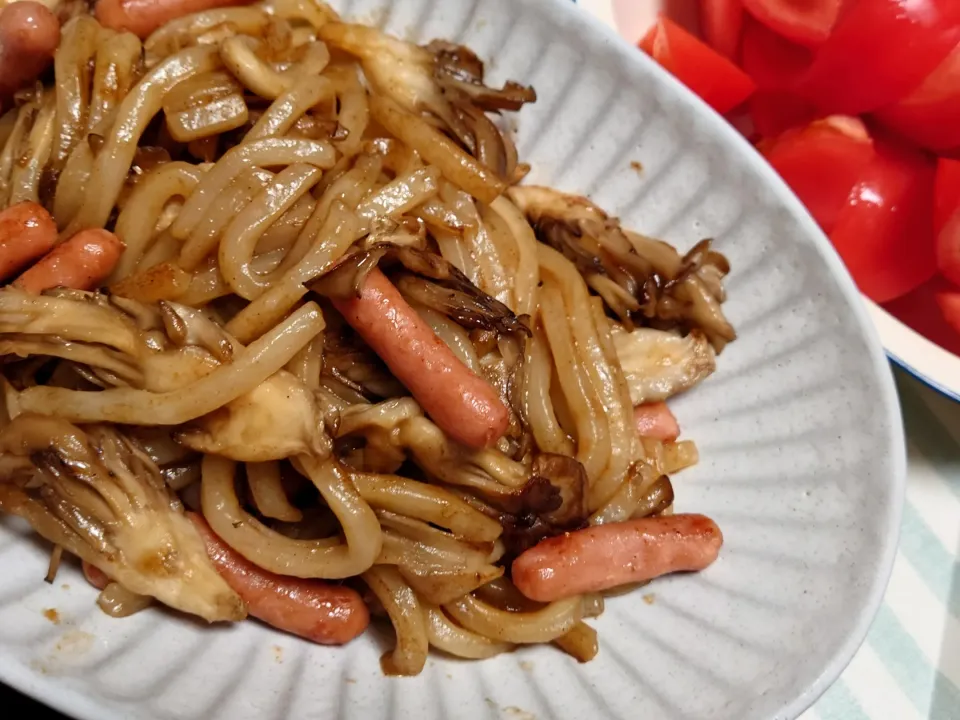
(773, 62)
(946, 218)
(776, 65)
(921, 310)
(822, 163)
(741, 122)
(808, 22)
(773, 113)
(719, 82)
(946, 194)
(930, 116)
(948, 249)
(949, 303)
(721, 22)
(879, 52)
(885, 232)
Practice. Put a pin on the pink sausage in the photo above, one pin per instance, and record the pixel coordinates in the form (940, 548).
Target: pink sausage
(606, 556)
(29, 35)
(94, 575)
(654, 420)
(312, 609)
(142, 17)
(464, 405)
(81, 263)
(27, 232)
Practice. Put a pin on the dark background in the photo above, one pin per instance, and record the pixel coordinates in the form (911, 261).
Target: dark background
(16, 705)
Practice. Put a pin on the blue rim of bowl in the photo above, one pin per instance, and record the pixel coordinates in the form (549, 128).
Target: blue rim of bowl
(928, 381)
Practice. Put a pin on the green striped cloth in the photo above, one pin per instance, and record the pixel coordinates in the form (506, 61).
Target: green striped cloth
(909, 667)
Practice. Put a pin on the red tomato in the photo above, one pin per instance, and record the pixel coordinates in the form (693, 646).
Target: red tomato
(773, 113)
(948, 249)
(921, 310)
(930, 115)
(946, 218)
(776, 65)
(719, 82)
(885, 233)
(822, 163)
(803, 21)
(722, 22)
(946, 195)
(741, 122)
(773, 62)
(949, 303)
(878, 52)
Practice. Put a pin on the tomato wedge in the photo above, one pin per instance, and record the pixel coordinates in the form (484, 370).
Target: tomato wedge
(773, 113)
(719, 82)
(930, 115)
(948, 249)
(923, 310)
(885, 232)
(946, 194)
(822, 163)
(776, 65)
(804, 21)
(773, 62)
(946, 218)
(949, 303)
(880, 51)
(721, 22)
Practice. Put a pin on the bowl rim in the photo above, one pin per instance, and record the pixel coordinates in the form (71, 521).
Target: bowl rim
(915, 354)
(62, 695)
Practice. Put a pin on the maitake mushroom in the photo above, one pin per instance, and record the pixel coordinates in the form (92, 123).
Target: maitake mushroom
(97, 494)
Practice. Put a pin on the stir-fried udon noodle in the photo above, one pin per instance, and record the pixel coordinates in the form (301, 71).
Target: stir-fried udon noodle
(347, 363)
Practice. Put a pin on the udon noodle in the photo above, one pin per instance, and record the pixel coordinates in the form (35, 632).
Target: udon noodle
(219, 422)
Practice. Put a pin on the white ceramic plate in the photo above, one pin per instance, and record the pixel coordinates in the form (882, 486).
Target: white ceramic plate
(799, 431)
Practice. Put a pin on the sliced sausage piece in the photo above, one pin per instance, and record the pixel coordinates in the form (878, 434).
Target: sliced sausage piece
(605, 556)
(81, 263)
(312, 609)
(464, 405)
(654, 420)
(94, 575)
(29, 35)
(142, 17)
(27, 232)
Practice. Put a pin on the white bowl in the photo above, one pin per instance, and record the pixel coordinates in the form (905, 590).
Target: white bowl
(799, 432)
(925, 360)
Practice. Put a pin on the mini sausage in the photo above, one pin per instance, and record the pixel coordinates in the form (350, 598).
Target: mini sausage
(27, 232)
(605, 556)
(654, 420)
(142, 17)
(29, 35)
(312, 609)
(81, 263)
(463, 404)
(94, 575)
